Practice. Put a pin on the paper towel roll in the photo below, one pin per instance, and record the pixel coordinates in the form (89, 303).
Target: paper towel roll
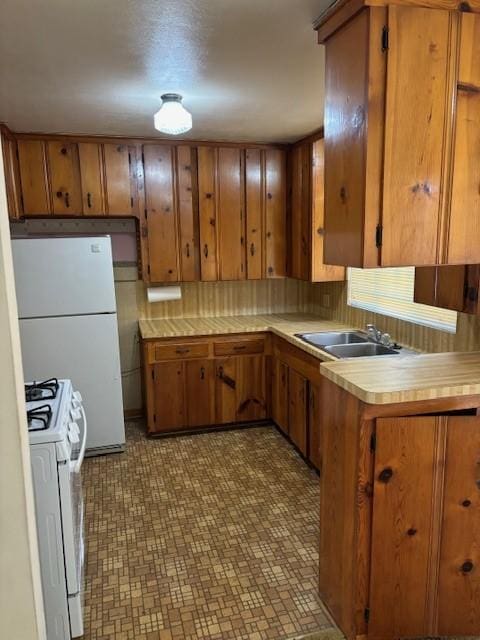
(162, 294)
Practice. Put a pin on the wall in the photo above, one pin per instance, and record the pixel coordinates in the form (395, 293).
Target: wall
(467, 337)
(21, 606)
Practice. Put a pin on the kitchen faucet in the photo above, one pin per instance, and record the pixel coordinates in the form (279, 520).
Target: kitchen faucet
(378, 336)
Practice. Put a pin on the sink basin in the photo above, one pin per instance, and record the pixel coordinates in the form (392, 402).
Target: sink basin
(360, 350)
(327, 338)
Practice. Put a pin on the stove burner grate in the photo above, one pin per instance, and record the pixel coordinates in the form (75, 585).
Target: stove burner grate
(39, 418)
(46, 390)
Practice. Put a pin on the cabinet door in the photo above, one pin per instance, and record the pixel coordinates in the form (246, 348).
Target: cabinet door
(118, 179)
(91, 173)
(254, 179)
(161, 216)
(346, 106)
(459, 581)
(200, 392)
(415, 154)
(65, 178)
(297, 410)
(251, 389)
(186, 173)
(464, 227)
(314, 426)
(406, 476)
(320, 272)
(300, 211)
(280, 394)
(12, 178)
(446, 287)
(231, 223)
(225, 390)
(32, 159)
(169, 396)
(275, 214)
(207, 212)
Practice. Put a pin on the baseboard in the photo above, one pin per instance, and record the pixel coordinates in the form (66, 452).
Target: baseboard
(130, 414)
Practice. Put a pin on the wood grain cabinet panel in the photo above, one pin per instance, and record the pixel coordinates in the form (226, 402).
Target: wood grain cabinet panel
(119, 187)
(314, 425)
(91, 174)
(306, 239)
(230, 214)
(235, 347)
(414, 147)
(254, 188)
(169, 396)
(200, 392)
(464, 224)
(275, 214)
(161, 213)
(403, 503)
(455, 287)
(226, 390)
(298, 410)
(35, 194)
(280, 394)
(459, 575)
(12, 177)
(251, 389)
(189, 241)
(64, 167)
(207, 212)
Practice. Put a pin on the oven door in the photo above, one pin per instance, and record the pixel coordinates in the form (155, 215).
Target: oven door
(71, 502)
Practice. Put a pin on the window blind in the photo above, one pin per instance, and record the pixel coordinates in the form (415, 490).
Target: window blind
(390, 292)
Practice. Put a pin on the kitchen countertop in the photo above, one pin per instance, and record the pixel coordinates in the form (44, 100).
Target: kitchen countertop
(388, 379)
(379, 380)
(285, 325)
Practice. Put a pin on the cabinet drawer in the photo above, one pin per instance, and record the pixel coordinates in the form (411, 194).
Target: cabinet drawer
(239, 347)
(181, 351)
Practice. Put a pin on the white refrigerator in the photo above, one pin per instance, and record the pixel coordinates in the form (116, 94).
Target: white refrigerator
(68, 326)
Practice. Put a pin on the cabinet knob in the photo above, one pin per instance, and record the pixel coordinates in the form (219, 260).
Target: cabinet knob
(411, 532)
(467, 566)
(343, 195)
(385, 475)
(205, 251)
(466, 503)
(269, 196)
(59, 194)
(208, 195)
(202, 373)
(63, 151)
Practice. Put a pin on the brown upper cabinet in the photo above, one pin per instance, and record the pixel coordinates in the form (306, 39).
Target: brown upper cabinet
(306, 200)
(402, 135)
(64, 164)
(242, 213)
(119, 179)
(34, 187)
(453, 287)
(92, 178)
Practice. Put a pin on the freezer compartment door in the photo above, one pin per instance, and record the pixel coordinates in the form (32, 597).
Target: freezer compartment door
(63, 276)
(84, 349)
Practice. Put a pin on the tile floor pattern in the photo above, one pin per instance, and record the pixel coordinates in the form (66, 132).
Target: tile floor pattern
(210, 536)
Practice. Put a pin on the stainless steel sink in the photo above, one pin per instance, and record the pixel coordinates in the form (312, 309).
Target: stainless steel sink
(327, 338)
(360, 350)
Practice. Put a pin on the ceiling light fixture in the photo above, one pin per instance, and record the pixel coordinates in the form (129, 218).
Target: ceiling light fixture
(172, 117)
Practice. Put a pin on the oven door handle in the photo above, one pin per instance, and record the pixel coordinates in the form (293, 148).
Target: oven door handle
(81, 455)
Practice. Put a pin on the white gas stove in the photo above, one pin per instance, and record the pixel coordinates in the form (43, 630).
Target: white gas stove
(57, 428)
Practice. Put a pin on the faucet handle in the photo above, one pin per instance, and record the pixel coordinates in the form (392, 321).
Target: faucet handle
(386, 339)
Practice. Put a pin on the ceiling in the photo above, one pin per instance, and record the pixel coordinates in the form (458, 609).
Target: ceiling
(248, 69)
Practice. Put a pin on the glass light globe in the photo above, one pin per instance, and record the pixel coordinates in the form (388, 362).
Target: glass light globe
(172, 117)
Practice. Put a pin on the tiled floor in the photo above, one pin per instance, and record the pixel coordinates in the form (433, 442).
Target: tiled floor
(206, 536)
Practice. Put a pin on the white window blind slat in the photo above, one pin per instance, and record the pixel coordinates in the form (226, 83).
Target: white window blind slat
(390, 291)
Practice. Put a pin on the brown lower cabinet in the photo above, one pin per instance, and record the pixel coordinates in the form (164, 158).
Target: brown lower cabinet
(187, 385)
(400, 516)
(197, 382)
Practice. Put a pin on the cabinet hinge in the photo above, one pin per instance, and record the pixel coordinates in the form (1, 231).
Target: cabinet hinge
(143, 158)
(131, 202)
(129, 159)
(366, 614)
(385, 38)
(379, 235)
(148, 269)
(153, 374)
(373, 442)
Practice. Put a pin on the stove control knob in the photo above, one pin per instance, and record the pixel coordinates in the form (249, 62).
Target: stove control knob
(75, 414)
(78, 396)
